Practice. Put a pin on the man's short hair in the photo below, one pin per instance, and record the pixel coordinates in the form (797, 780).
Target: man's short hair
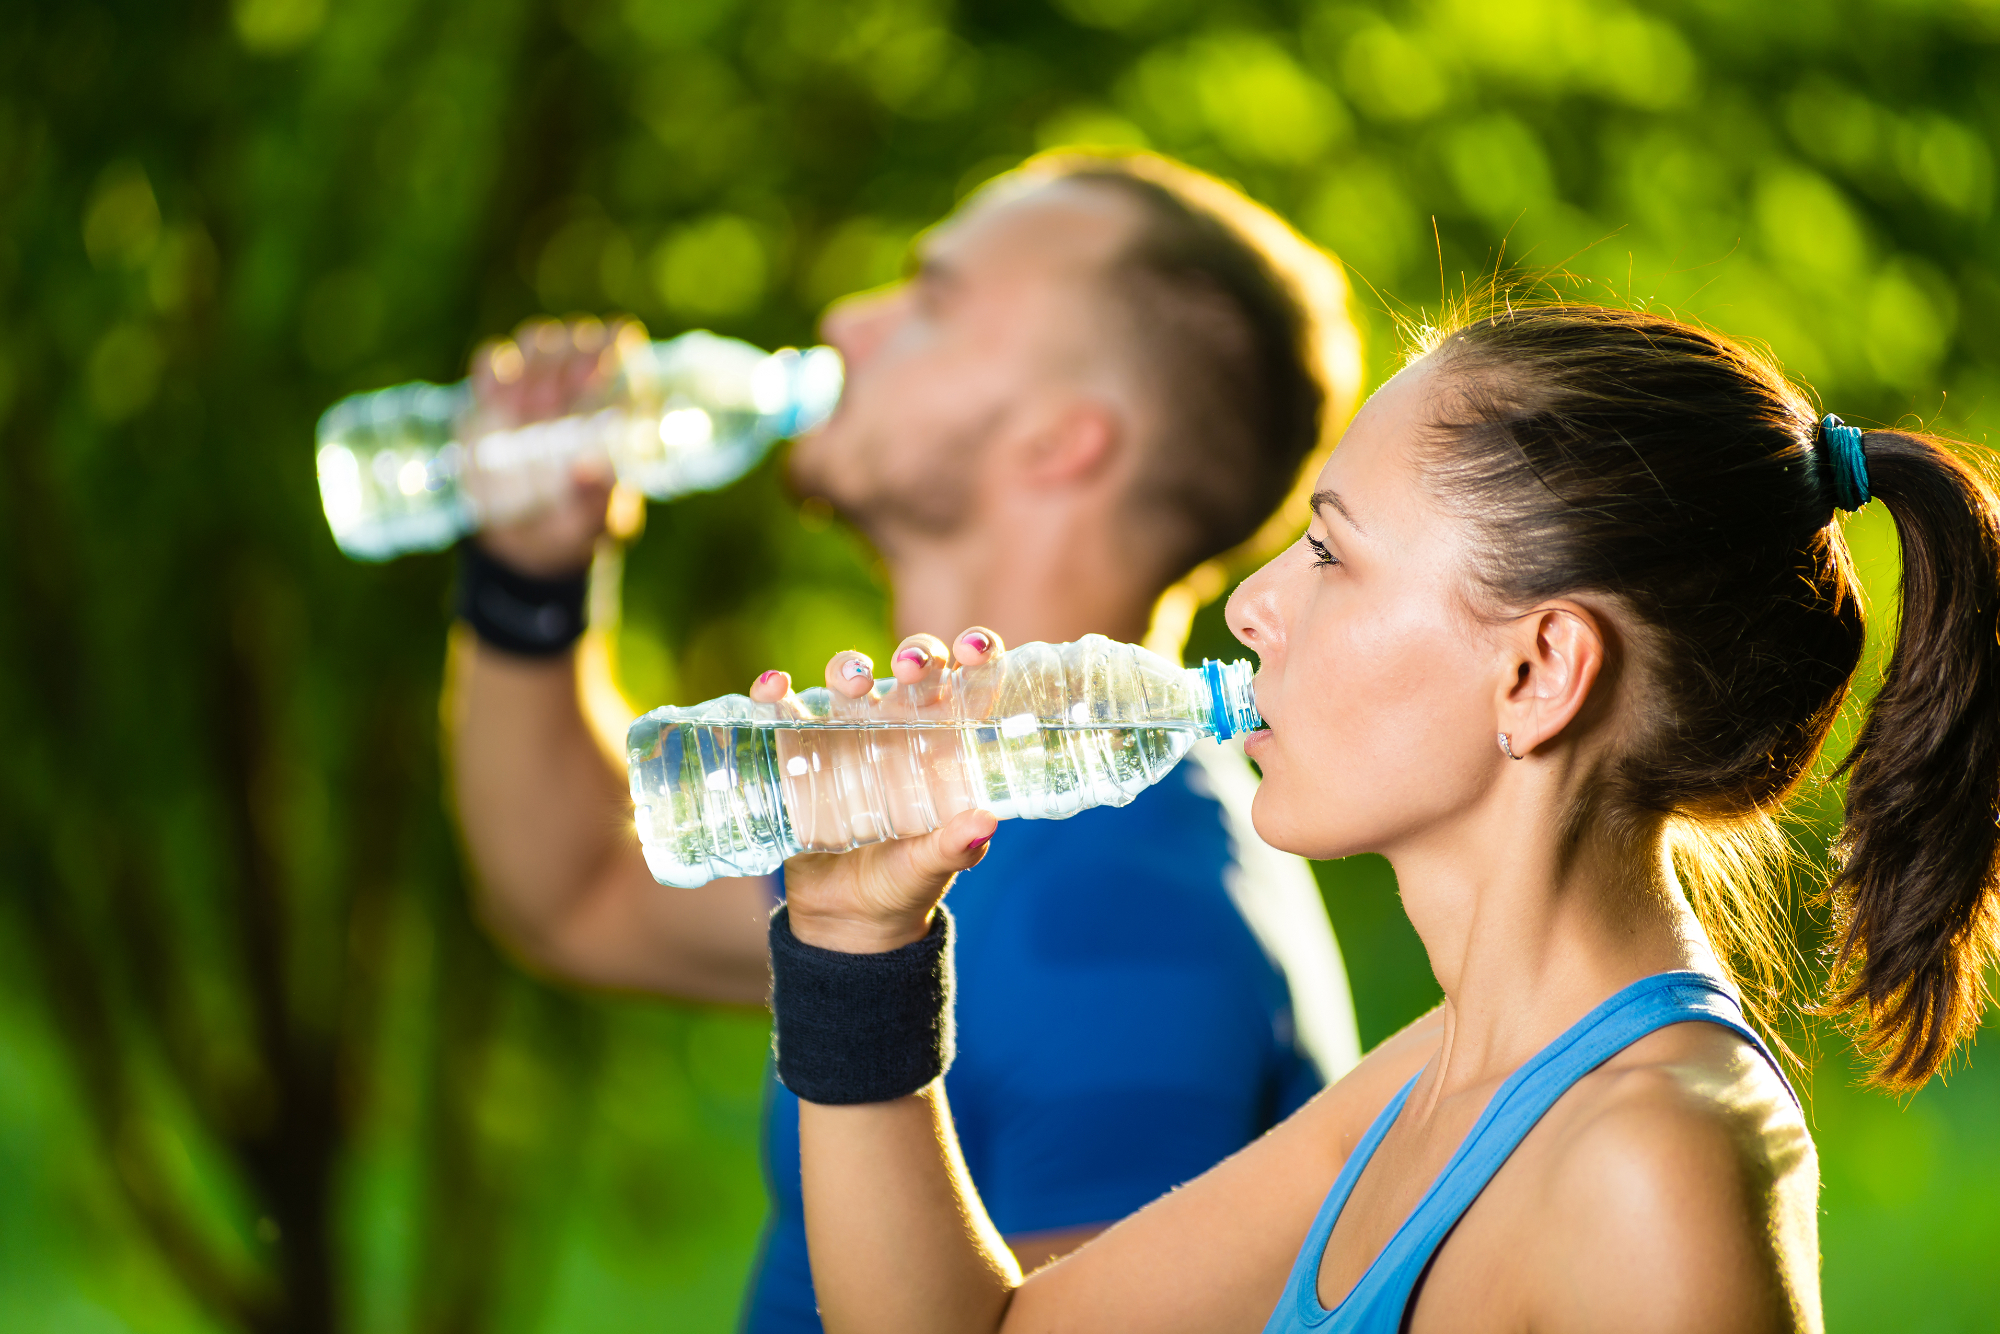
(1243, 335)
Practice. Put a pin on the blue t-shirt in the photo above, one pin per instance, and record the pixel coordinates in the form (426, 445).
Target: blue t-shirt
(1120, 1030)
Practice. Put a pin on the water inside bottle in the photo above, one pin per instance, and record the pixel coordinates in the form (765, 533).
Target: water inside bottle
(771, 789)
(411, 468)
(389, 469)
(733, 786)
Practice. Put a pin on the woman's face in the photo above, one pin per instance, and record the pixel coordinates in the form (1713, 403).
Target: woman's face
(1379, 685)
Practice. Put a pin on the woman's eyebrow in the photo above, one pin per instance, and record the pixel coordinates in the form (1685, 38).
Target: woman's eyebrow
(1332, 498)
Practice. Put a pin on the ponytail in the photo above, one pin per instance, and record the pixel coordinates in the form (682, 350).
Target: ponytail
(1627, 454)
(1916, 891)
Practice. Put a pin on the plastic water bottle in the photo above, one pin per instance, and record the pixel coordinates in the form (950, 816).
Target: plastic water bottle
(409, 469)
(733, 786)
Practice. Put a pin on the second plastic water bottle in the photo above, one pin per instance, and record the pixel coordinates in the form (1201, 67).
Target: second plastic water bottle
(733, 786)
(414, 469)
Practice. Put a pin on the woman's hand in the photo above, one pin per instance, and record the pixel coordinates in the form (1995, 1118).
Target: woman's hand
(881, 897)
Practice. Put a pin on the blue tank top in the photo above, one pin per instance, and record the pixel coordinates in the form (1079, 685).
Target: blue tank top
(1379, 1301)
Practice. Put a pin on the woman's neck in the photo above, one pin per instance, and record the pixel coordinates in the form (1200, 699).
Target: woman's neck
(1527, 932)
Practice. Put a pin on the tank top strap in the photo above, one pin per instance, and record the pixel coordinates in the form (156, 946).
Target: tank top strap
(1377, 1303)
(1299, 1307)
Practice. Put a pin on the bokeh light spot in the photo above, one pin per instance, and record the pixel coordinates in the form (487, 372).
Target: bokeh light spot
(124, 371)
(1259, 104)
(1808, 227)
(715, 266)
(1947, 164)
(1907, 322)
(860, 253)
(121, 224)
(1499, 167)
(277, 27)
(1360, 213)
(1088, 126)
(1390, 76)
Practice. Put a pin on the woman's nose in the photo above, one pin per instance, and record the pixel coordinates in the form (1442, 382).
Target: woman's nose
(1252, 614)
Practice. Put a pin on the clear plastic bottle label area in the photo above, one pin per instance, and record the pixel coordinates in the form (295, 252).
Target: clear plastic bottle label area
(733, 787)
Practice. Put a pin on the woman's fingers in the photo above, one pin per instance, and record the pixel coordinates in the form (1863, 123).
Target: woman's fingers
(851, 674)
(975, 646)
(881, 897)
(771, 687)
(957, 845)
(919, 656)
(910, 875)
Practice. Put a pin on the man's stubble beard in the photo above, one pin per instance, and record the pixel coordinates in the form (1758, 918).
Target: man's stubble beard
(932, 499)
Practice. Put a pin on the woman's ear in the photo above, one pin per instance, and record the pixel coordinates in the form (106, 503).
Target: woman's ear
(1557, 653)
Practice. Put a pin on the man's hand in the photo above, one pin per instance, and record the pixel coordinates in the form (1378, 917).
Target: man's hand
(548, 370)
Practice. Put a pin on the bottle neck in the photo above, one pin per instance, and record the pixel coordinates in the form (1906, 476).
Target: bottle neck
(1225, 690)
(795, 391)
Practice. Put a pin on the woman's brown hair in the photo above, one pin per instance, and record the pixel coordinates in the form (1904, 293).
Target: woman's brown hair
(1681, 474)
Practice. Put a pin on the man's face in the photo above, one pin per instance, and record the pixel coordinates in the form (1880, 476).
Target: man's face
(1004, 309)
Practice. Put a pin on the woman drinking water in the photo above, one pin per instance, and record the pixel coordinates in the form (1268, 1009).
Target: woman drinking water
(1571, 618)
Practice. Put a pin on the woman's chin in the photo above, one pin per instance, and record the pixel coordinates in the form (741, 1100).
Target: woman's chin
(1274, 821)
(1288, 824)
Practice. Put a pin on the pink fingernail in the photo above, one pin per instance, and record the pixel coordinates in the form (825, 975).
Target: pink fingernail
(975, 641)
(978, 843)
(857, 667)
(769, 677)
(915, 655)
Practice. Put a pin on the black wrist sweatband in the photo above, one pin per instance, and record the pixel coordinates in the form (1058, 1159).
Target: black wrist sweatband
(519, 613)
(853, 1028)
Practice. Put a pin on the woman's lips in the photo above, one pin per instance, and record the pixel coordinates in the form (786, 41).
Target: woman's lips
(1252, 740)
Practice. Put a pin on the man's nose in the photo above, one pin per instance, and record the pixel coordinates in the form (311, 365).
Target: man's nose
(855, 325)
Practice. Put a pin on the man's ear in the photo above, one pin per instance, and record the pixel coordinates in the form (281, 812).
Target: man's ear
(1079, 442)
(1556, 654)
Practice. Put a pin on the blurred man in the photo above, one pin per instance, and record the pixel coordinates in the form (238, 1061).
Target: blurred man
(1102, 374)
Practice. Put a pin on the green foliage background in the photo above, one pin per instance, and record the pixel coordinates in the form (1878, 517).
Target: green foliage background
(258, 1068)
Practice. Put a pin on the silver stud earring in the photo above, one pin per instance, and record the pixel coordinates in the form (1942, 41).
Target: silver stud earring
(1507, 747)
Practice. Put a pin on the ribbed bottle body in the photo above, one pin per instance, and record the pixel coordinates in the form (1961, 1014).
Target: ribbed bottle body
(733, 787)
(415, 467)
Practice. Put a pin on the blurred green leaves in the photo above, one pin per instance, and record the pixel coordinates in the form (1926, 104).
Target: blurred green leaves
(277, 27)
(1499, 168)
(1389, 75)
(712, 266)
(122, 222)
(341, 318)
(1244, 89)
(124, 371)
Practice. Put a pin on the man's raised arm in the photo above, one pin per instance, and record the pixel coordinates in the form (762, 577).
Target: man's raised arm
(544, 808)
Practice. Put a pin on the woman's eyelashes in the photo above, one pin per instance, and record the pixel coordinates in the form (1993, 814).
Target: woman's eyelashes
(1321, 556)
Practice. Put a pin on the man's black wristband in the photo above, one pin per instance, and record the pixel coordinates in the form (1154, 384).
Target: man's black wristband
(853, 1028)
(518, 613)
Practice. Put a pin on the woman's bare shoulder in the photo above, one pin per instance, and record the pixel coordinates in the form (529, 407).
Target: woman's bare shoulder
(1347, 1107)
(1214, 1253)
(1684, 1171)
